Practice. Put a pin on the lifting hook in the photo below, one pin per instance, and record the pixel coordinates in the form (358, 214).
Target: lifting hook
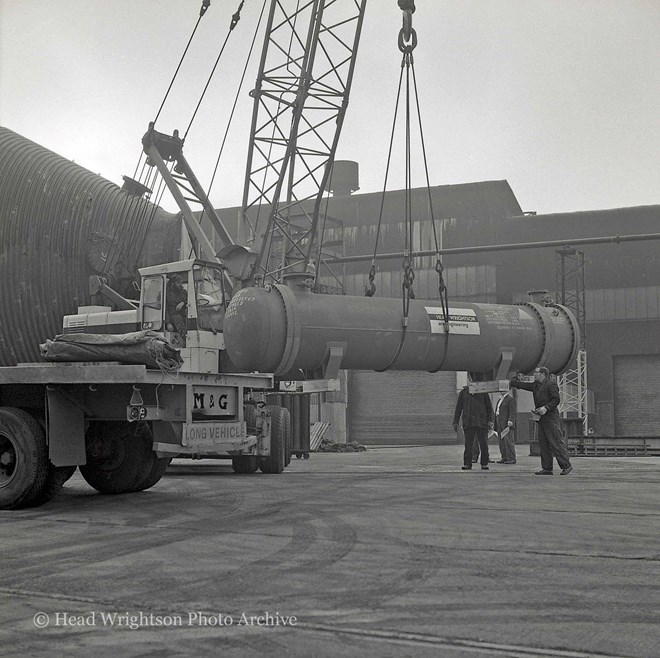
(407, 36)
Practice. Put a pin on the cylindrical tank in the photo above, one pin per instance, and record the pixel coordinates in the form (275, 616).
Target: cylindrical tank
(345, 178)
(280, 329)
(59, 224)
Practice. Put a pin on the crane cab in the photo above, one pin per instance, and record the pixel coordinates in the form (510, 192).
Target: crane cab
(186, 302)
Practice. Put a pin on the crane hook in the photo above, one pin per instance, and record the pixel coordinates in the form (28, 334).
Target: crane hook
(408, 8)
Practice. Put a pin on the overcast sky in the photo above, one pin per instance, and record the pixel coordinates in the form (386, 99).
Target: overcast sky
(559, 97)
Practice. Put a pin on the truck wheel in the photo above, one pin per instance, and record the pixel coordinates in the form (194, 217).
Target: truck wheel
(158, 468)
(274, 463)
(118, 454)
(288, 438)
(23, 458)
(55, 479)
(154, 467)
(245, 464)
(250, 416)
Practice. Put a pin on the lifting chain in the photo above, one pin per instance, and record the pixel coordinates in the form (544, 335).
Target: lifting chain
(370, 290)
(408, 280)
(442, 293)
(440, 269)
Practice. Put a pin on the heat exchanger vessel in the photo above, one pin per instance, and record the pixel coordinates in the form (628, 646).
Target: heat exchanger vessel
(284, 328)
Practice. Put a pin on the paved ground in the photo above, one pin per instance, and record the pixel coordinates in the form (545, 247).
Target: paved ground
(391, 552)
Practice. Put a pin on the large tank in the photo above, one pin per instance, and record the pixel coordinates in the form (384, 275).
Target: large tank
(281, 329)
(59, 224)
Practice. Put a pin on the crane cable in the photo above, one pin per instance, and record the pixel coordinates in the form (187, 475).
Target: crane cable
(234, 21)
(205, 5)
(370, 290)
(236, 97)
(407, 42)
(407, 291)
(233, 109)
(442, 287)
(236, 16)
(114, 246)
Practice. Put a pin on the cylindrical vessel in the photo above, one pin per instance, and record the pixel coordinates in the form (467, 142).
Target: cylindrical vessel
(59, 224)
(281, 329)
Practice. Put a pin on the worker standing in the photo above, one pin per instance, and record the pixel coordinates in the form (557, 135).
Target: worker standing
(505, 423)
(476, 410)
(548, 429)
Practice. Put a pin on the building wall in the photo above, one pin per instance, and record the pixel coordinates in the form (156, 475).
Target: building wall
(608, 340)
(401, 408)
(636, 382)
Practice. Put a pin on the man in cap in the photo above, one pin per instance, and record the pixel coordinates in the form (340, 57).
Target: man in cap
(548, 428)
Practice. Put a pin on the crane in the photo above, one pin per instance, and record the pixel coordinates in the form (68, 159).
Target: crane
(300, 102)
(300, 97)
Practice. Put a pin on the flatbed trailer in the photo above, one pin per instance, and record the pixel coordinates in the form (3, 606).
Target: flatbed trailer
(123, 423)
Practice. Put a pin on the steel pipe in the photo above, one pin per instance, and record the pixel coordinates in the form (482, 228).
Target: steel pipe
(486, 248)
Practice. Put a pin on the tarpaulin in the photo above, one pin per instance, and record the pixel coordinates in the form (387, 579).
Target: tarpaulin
(146, 347)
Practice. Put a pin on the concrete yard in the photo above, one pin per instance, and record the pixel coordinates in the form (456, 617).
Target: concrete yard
(390, 552)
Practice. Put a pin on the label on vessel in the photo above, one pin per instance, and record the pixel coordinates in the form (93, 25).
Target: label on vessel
(461, 321)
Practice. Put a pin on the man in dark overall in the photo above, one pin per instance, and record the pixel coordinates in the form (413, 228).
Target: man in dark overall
(176, 298)
(505, 424)
(548, 427)
(477, 412)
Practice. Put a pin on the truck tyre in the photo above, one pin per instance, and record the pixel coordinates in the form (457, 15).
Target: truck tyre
(274, 463)
(55, 479)
(288, 438)
(118, 456)
(23, 458)
(250, 417)
(158, 468)
(154, 467)
(245, 464)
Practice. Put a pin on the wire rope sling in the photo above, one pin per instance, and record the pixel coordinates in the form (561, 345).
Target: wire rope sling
(407, 42)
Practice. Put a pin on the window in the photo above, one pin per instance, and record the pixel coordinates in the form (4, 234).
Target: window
(209, 294)
(152, 303)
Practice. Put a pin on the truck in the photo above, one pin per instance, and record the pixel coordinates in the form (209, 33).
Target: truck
(122, 421)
